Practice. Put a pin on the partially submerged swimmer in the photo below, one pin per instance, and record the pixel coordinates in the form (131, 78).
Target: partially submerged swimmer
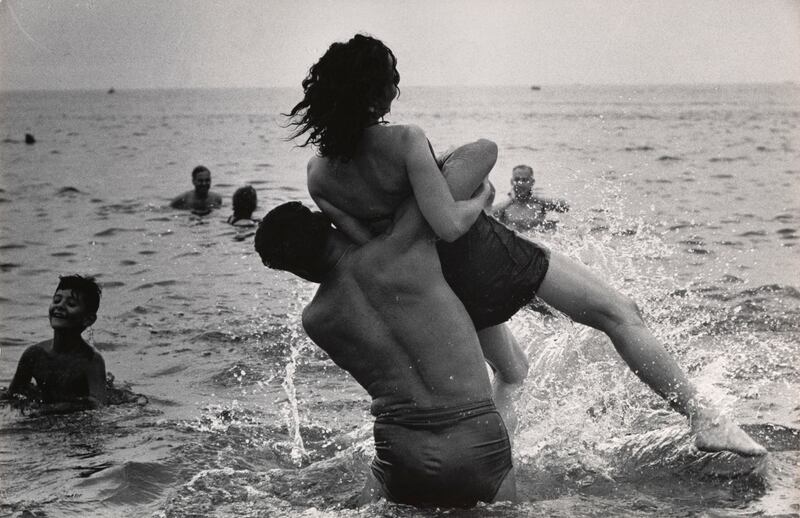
(70, 374)
(245, 201)
(201, 200)
(524, 209)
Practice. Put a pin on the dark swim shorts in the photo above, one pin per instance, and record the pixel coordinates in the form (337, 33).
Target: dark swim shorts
(446, 457)
(493, 271)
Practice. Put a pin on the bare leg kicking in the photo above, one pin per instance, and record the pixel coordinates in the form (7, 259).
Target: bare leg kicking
(580, 294)
(577, 292)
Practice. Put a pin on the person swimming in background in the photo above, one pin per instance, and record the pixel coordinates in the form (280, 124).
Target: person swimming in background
(524, 210)
(201, 200)
(366, 169)
(245, 201)
(70, 374)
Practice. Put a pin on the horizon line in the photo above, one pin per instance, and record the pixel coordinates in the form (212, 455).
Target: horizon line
(508, 85)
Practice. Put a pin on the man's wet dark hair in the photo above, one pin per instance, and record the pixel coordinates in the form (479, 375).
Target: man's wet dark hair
(199, 169)
(351, 86)
(293, 238)
(245, 200)
(87, 287)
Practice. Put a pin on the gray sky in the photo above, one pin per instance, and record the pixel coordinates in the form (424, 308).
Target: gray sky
(46, 44)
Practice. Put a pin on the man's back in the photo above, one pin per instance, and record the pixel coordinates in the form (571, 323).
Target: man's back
(386, 315)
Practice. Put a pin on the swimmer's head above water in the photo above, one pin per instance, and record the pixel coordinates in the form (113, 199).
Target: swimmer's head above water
(75, 303)
(201, 179)
(293, 238)
(522, 181)
(351, 87)
(245, 200)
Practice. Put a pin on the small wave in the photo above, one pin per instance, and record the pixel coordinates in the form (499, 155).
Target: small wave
(121, 208)
(639, 148)
(69, 190)
(114, 231)
(187, 254)
(726, 159)
(128, 483)
(753, 233)
(5, 267)
(667, 158)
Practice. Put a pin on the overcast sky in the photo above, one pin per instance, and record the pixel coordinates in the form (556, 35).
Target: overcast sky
(46, 44)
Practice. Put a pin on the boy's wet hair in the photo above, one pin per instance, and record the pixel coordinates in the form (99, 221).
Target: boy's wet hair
(293, 238)
(245, 200)
(344, 92)
(200, 169)
(89, 289)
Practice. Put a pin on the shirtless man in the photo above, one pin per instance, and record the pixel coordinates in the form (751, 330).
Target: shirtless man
(524, 210)
(403, 335)
(201, 200)
(70, 374)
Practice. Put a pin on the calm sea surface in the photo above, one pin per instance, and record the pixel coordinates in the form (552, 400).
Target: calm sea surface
(685, 198)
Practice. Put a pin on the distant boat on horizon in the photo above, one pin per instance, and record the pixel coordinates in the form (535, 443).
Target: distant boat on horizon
(536, 87)
(111, 90)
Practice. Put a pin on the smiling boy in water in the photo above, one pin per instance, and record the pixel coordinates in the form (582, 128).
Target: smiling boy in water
(70, 374)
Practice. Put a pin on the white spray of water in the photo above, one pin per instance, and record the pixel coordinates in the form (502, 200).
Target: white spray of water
(290, 410)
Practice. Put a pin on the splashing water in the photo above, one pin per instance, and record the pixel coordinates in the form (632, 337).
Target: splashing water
(290, 411)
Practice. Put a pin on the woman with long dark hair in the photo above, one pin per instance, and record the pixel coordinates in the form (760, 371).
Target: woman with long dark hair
(365, 168)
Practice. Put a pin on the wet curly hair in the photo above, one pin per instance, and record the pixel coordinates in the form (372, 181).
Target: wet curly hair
(350, 87)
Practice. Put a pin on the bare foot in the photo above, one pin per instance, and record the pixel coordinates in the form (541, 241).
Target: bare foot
(716, 432)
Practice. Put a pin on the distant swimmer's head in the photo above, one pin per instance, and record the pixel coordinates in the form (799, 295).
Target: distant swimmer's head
(75, 303)
(245, 201)
(201, 179)
(293, 238)
(522, 181)
(351, 87)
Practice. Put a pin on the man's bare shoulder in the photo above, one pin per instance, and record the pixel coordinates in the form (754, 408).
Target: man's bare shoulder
(317, 315)
(182, 200)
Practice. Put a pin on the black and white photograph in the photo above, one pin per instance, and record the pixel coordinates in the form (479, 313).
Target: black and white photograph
(413, 258)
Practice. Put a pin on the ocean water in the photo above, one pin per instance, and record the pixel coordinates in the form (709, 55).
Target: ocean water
(685, 198)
